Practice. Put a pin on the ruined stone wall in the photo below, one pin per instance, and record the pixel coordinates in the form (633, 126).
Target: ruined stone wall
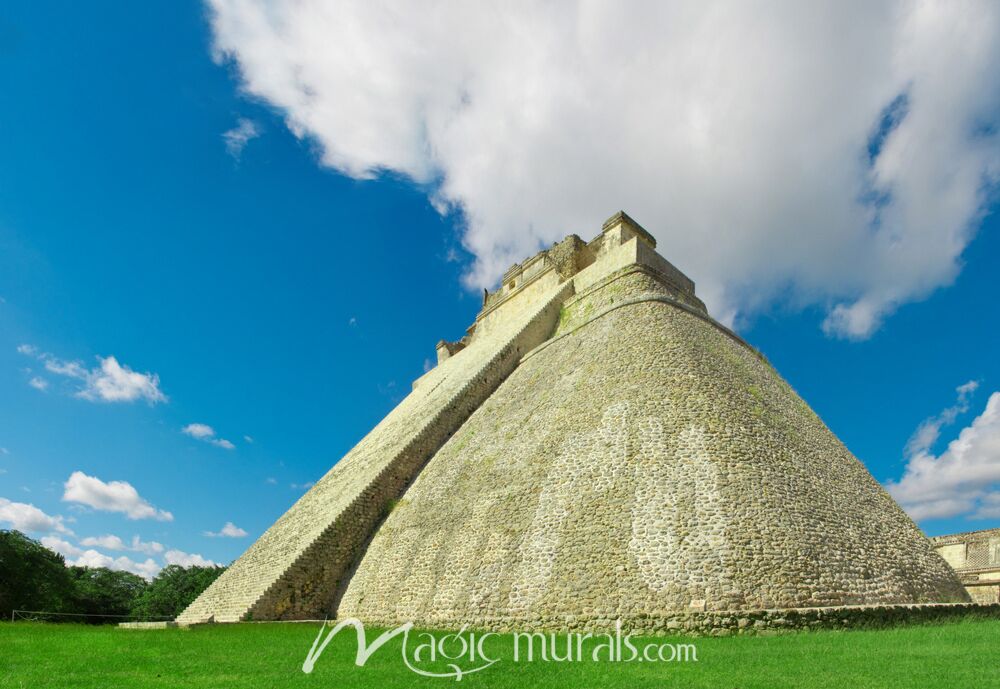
(640, 464)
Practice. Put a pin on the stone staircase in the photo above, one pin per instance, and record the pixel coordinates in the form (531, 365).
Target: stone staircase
(299, 566)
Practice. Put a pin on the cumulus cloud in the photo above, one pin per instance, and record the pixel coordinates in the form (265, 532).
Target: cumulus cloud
(148, 547)
(92, 558)
(114, 496)
(179, 557)
(206, 433)
(928, 432)
(109, 381)
(112, 542)
(63, 547)
(112, 382)
(806, 154)
(26, 517)
(230, 530)
(964, 479)
(198, 430)
(108, 542)
(989, 507)
(238, 137)
(88, 557)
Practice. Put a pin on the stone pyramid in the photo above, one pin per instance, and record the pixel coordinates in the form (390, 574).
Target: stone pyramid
(596, 447)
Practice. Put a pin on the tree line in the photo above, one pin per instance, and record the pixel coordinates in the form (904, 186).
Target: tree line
(32, 577)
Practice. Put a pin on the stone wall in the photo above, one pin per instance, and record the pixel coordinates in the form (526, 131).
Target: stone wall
(805, 619)
(975, 557)
(749, 622)
(641, 464)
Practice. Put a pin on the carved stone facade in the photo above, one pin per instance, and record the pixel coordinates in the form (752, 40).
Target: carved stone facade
(596, 447)
(975, 557)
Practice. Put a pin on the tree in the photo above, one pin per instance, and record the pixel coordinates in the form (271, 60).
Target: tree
(101, 591)
(173, 589)
(32, 577)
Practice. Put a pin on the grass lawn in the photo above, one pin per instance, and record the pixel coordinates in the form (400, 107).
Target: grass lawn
(958, 654)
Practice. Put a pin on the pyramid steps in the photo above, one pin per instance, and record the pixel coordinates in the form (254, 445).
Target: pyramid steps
(295, 568)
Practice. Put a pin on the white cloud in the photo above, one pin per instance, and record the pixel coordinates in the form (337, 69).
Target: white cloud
(148, 547)
(248, 439)
(808, 154)
(206, 433)
(26, 517)
(270, 480)
(230, 530)
(179, 557)
(108, 542)
(928, 432)
(107, 382)
(112, 542)
(198, 430)
(114, 496)
(239, 136)
(989, 507)
(58, 545)
(964, 479)
(93, 558)
(113, 382)
(303, 486)
(73, 369)
(4, 451)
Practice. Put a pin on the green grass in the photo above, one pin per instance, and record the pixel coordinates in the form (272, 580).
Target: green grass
(959, 654)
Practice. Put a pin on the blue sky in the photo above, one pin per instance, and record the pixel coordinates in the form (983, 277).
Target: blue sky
(288, 303)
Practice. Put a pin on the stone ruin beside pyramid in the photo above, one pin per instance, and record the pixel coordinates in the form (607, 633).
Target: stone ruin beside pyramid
(596, 447)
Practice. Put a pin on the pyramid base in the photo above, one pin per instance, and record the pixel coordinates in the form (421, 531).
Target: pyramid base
(726, 623)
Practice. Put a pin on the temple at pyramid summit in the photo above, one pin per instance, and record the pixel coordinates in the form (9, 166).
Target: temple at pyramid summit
(596, 447)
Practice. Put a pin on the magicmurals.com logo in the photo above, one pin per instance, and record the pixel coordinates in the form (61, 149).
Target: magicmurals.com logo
(463, 653)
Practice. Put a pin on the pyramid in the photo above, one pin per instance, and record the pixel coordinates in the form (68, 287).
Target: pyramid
(595, 447)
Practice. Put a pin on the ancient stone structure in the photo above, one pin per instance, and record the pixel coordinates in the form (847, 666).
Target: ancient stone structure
(596, 447)
(975, 557)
